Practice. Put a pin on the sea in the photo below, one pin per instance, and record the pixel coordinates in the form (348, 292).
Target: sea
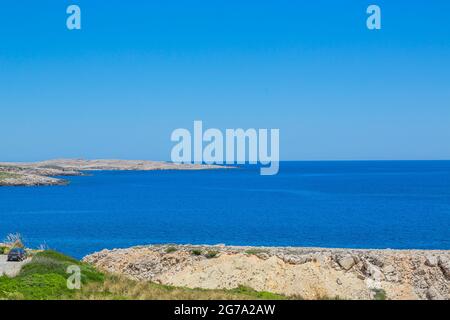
(336, 204)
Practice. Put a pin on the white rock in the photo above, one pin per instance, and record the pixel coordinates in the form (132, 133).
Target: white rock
(444, 264)
(433, 294)
(388, 269)
(346, 262)
(431, 261)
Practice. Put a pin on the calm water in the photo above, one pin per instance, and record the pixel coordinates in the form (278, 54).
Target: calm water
(403, 204)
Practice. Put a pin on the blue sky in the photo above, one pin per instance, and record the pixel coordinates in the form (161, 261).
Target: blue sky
(139, 69)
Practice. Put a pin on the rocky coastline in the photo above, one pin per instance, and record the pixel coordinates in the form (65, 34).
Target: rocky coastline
(44, 173)
(309, 273)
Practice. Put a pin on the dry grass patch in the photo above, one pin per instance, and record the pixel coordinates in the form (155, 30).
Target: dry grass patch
(120, 287)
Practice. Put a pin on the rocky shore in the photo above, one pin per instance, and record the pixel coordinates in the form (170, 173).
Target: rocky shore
(309, 273)
(43, 173)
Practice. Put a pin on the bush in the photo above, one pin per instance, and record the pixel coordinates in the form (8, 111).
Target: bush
(196, 252)
(171, 249)
(45, 277)
(380, 294)
(211, 254)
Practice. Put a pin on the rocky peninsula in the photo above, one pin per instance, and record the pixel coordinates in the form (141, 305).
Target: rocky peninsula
(309, 273)
(44, 173)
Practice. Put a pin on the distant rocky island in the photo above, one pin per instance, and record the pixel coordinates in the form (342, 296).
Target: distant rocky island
(43, 173)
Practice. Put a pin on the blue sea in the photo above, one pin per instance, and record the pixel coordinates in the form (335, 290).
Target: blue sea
(355, 204)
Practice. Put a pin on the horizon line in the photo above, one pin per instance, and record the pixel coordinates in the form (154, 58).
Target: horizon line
(296, 160)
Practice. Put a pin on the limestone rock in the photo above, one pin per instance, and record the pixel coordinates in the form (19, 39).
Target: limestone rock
(346, 262)
(433, 294)
(304, 272)
(444, 264)
(431, 261)
(373, 271)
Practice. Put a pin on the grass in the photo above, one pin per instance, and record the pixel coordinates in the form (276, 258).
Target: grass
(259, 294)
(196, 252)
(255, 251)
(117, 287)
(7, 175)
(45, 278)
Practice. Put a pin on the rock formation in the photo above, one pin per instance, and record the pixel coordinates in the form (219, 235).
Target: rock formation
(310, 273)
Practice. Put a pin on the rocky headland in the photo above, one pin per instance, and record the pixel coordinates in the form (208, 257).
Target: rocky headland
(44, 173)
(309, 273)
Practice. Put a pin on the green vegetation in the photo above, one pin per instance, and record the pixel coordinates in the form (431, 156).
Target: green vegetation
(7, 175)
(329, 298)
(257, 294)
(45, 278)
(211, 254)
(196, 252)
(171, 249)
(380, 294)
(115, 287)
(4, 250)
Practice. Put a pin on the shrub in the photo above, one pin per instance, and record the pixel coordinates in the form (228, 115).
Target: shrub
(171, 249)
(211, 254)
(380, 294)
(196, 252)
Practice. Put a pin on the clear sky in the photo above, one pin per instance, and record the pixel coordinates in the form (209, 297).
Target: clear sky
(139, 69)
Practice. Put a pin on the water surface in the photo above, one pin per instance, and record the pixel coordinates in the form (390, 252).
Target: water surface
(368, 204)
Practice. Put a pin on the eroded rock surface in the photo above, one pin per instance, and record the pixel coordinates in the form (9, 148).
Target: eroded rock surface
(307, 272)
(41, 173)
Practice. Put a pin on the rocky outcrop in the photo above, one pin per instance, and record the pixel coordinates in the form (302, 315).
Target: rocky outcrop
(444, 264)
(307, 272)
(346, 262)
(28, 179)
(65, 166)
(40, 173)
